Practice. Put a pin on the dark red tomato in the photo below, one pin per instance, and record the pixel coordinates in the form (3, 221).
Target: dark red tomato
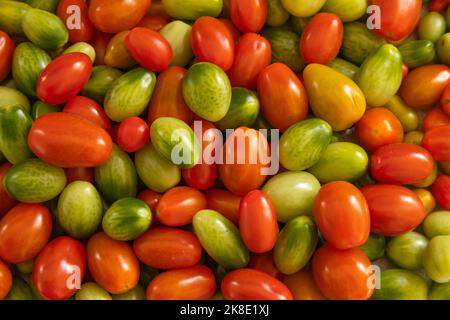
(323, 28)
(178, 205)
(258, 222)
(168, 248)
(33, 222)
(133, 134)
(112, 263)
(212, 42)
(283, 97)
(194, 283)
(6, 54)
(150, 49)
(154, 23)
(230, 26)
(378, 127)
(248, 15)
(59, 268)
(437, 142)
(342, 274)
(202, 176)
(100, 42)
(398, 18)
(252, 55)
(69, 141)
(405, 71)
(89, 110)
(5, 280)
(445, 100)
(342, 215)
(80, 174)
(264, 262)
(401, 163)
(251, 284)
(441, 191)
(438, 5)
(435, 118)
(74, 14)
(64, 78)
(394, 210)
(151, 198)
(6, 202)
(224, 202)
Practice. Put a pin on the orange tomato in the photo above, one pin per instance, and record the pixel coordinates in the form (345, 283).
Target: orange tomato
(117, 54)
(100, 42)
(155, 23)
(264, 262)
(224, 202)
(302, 286)
(5, 280)
(435, 118)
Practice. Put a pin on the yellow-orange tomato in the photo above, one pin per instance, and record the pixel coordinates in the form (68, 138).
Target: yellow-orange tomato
(427, 199)
(154, 23)
(302, 286)
(117, 54)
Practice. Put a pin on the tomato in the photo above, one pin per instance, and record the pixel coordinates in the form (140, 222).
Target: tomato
(80, 174)
(378, 127)
(342, 274)
(394, 210)
(224, 202)
(202, 176)
(89, 110)
(302, 286)
(117, 55)
(151, 198)
(59, 268)
(438, 5)
(250, 284)
(6, 202)
(427, 198)
(54, 86)
(194, 283)
(322, 28)
(435, 118)
(112, 263)
(405, 71)
(154, 23)
(437, 142)
(133, 134)
(6, 54)
(252, 55)
(441, 191)
(5, 280)
(80, 28)
(248, 15)
(100, 42)
(230, 26)
(264, 262)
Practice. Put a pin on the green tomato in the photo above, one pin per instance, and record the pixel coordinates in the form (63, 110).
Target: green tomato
(432, 26)
(92, 291)
(11, 16)
(137, 293)
(192, 9)
(25, 267)
(82, 47)
(178, 34)
(20, 290)
(407, 116)
(439, 291)
(397, 284)
(407, 250)
(47, 5)
(12, 97)
(414, 137)
(347, 10)
(443, 49)
(276, 13)
(303, 9)
(373, 248)
(436, 260)
(102, 77)
(437, 224)
(40, 108)
(346, 68)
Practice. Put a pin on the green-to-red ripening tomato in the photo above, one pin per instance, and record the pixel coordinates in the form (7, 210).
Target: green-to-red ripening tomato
(441, 191)
(248, 15)
(202, 176)
(401, 163)
(342, 274)
(194, 283)
(89, 110)
(282, 95)
(264, 262)
(437, 142)
(168, 248)
(59, 268)
(150, 49)
(24, 231)
(252, 55)
(178, 205)
(435, 118)
(224, 202)
(258, 222)
(151, 198)
(133, 134)
(84, 29)
(251, 284)
(64, 78)
(5, 280)
(6, 201)
(6, 54)
(100, 42)
(322, 38)
(212, 42)
(394, 210)
(68, 141)
(342, 215)
(445, 100)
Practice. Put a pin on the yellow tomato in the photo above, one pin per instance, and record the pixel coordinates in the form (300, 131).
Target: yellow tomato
(427, 199)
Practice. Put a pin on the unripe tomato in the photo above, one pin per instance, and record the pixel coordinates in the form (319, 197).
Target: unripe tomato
(133, 134)
(441, 191)
(248, 15)
(6, 201)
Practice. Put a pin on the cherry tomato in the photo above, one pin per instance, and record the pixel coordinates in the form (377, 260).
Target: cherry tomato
(427, 198)
(154, 23)
(230, 26)
(302, 286)
(441, 191)
(6, 202)
(224, 202)
(437, 142)
(80, 174)
(133, 134)
(151, 198)
(405, 71)
(89, 110)
(5, 280)
(264, 262)
(445, 100)
(59, 268)
(248, 15)
(435, 118)
(100, 42)
(194, 283)
(6, 54)
(117, 55)
(80, 29)
(157, 9)
(438, 5)
(202, 176)
(342, 274)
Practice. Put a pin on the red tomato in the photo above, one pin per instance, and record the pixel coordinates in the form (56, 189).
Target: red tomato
(342, 215)
(438, 5)
(133, 134)
(202, 176)
(55, 86)
(441, 191)
(230, 26)
(6, 54)
(248, 15)
(5, 280)
(252, 55)
(435, 118)
(89, 110)
(342, 274)
(394, 210)
(323, 28)
(154, 23)
(100, 42)
(178, 205)
(112, 263)
(283, 97)
(437, 142)
(80, 174)
(150, 49)
(224, 202)
(6, 202)
(378, 127)
(151, 198)
(168, 248)
(194, 283)
(251, 284)
(405, 71)
(445, 100)
(264, 262)
(302, 286)
(59, 269)
(81, 28)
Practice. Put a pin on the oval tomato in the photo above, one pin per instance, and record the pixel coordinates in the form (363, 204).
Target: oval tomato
(5, 280)
(435, 118)
(100, 42)
(225, 203)
(441, 191)
(302, 286)
(264, 262)
(89, 110)
(437, 142)
(202, 176)
(84, 28)
(248, 15)
(133, 134)
(80, 174)
(6, 202)
(154, 23)
(151, 198)
(6, 54)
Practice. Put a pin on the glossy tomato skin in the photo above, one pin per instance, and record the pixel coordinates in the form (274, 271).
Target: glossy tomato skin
(437, 142)
(6, 202)
(342, 215)
(85, 30)
(323, 28)
(264, 262)
(6, 54)
(202, 176)
(251, 284)
(151, 198)
(435, 118)
(401, 163)
(441, 191)
(57, 268)
(394, 210)
(80, 174)
(133, 134)
(5, 280)
(224, 202)
(100, 42)
(248, 15)
(342, 274)
(193, 283)
(89, 110)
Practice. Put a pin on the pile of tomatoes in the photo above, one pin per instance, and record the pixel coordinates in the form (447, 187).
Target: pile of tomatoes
(96, 95)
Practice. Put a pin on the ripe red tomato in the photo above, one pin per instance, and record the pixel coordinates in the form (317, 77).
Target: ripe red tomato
(89, 110)
(133, 134)
(342, 274)
(100, 42)
(323, 28)
(55, 86)
(445, 100)
(224, 202)
(394, 210)
(5, 280)
(438, 5)
(66, 12)
(251, 284)
(441, 191)
(248, 15)
(252, 55)
(437, 142)
(112, 263)
(230, 26)
(342, 215)
(202, 176)
(59, 269)
(378, 127)
(264, 262)
(6, 202)
(80, 174)
(154, 23)
(435, 118)
(212, 42)
(151, 198)
(150, 49)
(6, 54)
(194, 283)
(405, 71)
